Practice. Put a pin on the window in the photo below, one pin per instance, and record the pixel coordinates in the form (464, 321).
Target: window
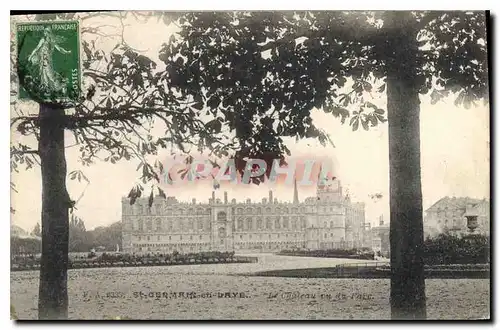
(331, 224)
(269, 223)
(191, 238)
(159, 238)
(149, 225)
(169, 238)
(259, 223)
(285, 222)
(201, 237)
(200, 224)
(222, 217)
(138, 238)
(277, 223)
(141, 225)
(149, 238)
(240, 224)
(158, 225)
(249, 224)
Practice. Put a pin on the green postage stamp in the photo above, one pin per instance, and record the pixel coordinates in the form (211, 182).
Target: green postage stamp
(49, 61)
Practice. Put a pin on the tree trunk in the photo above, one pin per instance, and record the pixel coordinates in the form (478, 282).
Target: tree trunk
(53, 292)
(406, 224)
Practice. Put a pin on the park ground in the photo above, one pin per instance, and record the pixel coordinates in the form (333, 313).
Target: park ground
(223, 291)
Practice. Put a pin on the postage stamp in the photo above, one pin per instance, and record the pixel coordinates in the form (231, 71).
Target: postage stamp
(49, 57)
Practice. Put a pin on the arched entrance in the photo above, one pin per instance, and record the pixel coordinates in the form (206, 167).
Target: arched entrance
(222, 230)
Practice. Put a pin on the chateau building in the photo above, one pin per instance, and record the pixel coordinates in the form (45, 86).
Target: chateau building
(329, 220)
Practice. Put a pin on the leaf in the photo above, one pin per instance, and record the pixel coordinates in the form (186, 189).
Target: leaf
(435, 96)
(365, 124)
(356, 124)
(198, 105)
(150, 200)
(213, 102)
(135, 193)
(214, 126)
(161, 193)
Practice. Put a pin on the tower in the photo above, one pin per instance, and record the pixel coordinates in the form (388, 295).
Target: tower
(295, 192)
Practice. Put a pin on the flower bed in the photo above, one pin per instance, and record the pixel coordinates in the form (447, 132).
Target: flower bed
(133, 260)
(330, 253)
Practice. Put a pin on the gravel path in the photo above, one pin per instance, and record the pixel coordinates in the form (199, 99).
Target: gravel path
(214, 292)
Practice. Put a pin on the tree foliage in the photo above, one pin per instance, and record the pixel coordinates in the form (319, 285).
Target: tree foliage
(237, 83)
(36, 230)
(284, 64)
(450, 249)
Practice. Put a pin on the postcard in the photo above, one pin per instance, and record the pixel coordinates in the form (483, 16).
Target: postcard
(231, 165)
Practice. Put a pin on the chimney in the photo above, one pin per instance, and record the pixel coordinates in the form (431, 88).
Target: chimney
(295, 192)
(194, 200)
(213, 197)
(225, 197)
(381, 220)
(270, 196)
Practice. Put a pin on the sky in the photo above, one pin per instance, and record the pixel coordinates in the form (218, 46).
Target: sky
(454, 158)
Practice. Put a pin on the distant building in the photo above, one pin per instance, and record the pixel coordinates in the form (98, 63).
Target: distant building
(448, 215)
(380, 238)
(328, 220)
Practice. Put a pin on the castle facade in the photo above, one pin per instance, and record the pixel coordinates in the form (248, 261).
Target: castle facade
(329, 220)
